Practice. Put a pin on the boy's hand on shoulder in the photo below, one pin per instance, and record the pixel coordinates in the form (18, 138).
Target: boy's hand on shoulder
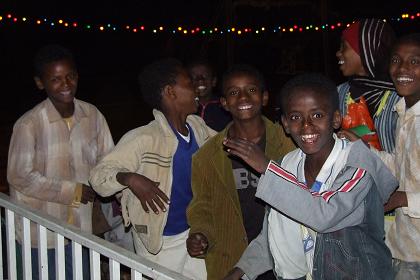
(248, 152)
(197, 244)
(234, 274)
(88, 194)
(145, 190)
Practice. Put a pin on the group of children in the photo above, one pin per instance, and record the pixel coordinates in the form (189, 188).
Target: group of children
(242, 202)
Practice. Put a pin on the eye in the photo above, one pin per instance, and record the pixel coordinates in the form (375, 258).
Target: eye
(415, 61)
(252, 90)
(294, 117)
(395, 60)
(233, 92)
(317, 115)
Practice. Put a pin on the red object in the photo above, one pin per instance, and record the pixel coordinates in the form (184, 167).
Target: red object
(358, 114)
(351, 35)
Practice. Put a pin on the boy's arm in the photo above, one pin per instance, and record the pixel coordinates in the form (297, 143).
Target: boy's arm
(199, 211)
(257, 257)
(328, 211)
(124, 158)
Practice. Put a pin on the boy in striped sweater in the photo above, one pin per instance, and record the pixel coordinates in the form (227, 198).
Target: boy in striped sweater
(326, 198)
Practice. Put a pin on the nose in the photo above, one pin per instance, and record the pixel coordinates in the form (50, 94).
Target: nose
(307, 122)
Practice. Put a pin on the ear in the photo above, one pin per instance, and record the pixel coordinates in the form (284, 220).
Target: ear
(336, 121)
(224, 103)
(285, 124)
(38, 82)
(265, 98)
(169, 92)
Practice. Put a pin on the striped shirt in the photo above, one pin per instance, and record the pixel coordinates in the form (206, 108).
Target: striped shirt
(48, 162)
(404, 235)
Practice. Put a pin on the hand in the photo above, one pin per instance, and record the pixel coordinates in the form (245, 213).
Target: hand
(234, 274)
(348, 134)
(88, 194)
(397, 200)
(197, 244)
(248, 151)
(145, 190)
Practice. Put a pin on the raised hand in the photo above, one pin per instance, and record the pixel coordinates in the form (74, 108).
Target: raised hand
(248, 151)
(145, 190)
(197, 244)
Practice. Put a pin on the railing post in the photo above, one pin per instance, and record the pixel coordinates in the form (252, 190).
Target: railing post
(95, 265)
(26, 249)
(77, 260)
(42, 253)
(60, 261)
(11, 244)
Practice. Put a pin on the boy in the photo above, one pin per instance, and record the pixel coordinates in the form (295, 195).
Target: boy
(340, 187)
(53, 148)
(152, 166)
(224, 213)
(204, 81)
(404, 234)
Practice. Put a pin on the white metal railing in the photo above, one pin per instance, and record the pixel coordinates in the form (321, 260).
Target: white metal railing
(141, 268)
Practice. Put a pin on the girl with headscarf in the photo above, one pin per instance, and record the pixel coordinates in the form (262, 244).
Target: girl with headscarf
(364, 58)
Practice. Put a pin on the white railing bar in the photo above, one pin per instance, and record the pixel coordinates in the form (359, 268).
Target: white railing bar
(135, 275)
(102, 246)
(77, 260)
(114, 270)
(95, 265)
(26, 249)
(11, 244)
(42, 252)
(60, 261)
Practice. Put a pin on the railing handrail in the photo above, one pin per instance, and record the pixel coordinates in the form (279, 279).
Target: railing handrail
(100, 245)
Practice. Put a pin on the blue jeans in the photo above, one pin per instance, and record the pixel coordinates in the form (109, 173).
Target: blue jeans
(51, 262)
(405, 270)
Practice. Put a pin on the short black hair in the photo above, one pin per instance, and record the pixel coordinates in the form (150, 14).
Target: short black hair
(155, 76)
(247, 70)
(411, 38)
(48, 54)
(201, 61)
(315, 81)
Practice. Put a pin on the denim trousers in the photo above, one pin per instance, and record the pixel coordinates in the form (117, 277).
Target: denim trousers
(405, 270)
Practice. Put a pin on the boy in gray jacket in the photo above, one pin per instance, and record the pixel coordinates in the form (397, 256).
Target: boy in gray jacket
(326, 198)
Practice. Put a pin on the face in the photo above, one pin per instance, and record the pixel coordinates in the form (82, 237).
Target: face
(203, 80)
(186, 98)
(243, 97)
(405, 72)
(310, 122)
(59, 80)
(349, 61)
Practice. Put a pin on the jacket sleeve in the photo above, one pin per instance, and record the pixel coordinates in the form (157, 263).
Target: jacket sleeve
(23, 176)
(125, 157)
(257, 258)
(328, 211)
(199, 211)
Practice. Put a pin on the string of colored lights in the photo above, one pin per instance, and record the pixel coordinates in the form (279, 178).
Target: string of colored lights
(9, 18)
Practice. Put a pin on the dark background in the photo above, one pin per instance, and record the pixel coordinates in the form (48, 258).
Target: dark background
(109, 62)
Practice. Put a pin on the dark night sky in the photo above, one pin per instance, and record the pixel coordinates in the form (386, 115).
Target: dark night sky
(109, 62)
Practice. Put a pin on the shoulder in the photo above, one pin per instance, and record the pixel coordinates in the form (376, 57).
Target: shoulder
(142, 134)
(212, 146)
(32, 115)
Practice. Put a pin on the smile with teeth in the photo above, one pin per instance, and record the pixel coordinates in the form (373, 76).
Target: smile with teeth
(201, 87)
(67, 92)
(245, 107)
(309, 138)
(404, 79)
(340, 62)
